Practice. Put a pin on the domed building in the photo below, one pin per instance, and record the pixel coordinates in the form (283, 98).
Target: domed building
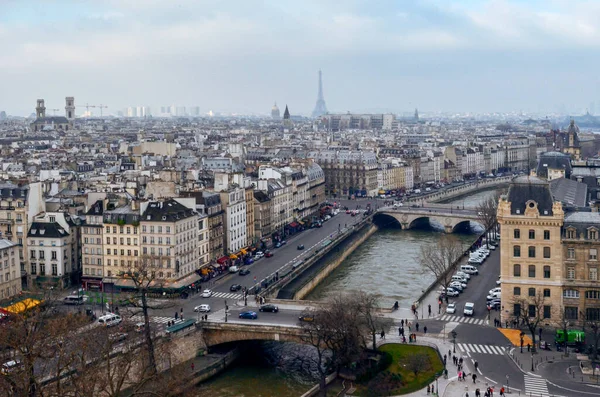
(275, 115)
(568, 142)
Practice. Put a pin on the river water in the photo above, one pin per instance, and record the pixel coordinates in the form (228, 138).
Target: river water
(387, 263)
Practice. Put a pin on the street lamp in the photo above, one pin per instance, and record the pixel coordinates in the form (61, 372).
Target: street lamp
(226, 310)
(453, 333)
(507, 386)
(532, 369)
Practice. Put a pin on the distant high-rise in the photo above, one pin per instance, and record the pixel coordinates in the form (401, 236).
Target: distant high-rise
(320, 108)
(275, 115)
(416, 114)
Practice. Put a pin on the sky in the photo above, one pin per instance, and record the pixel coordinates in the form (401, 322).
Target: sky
(240, 56)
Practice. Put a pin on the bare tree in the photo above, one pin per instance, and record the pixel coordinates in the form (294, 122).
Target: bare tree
(367, 306)
(532, 313)
(144, 278)
(486, 212)
(417, 362)
(440, 258)
(592, 324)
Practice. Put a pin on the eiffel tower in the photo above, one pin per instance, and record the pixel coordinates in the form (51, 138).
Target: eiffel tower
(320, 107)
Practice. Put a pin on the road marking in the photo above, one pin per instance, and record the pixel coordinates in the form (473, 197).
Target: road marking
(482, 349)
(536, 386)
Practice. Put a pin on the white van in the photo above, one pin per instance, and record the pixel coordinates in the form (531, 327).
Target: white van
(109, 320)
(459, 278)
(469, 269)
(233, 269)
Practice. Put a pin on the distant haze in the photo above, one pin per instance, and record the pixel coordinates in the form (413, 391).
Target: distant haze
(241, 56)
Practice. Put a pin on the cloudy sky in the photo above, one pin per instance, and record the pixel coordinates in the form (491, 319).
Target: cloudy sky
(241, 56)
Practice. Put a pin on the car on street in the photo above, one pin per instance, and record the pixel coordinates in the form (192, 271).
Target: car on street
(497, 289)
(306, 318)
(348, 212)
(475, 261)
(463, 274)
(204, 308)
(269, 308)
(277, 244)
(117, 337)
(206, 293)
(494, 295)
(233, 269)
(249, 261)
(11, 366)
(283, 242)
(249, 315)
(300, 246)
(451, 308)
(457, 286)
(235, 287)
(451, 292)
(259, 254)
(469, 309)
(244, 272)
(495, 304)
(268, 254)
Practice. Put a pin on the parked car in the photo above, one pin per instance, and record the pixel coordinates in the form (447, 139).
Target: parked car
(494, 304)
(269, 308)
(457, 286)
(204, 308)
(469, 309)
(268, 254)
(283, 242)
(11, 366)
(259, 254)
(244, 272)
(249, 315)
(497, 289)
(306, 318)
(277, 244)
(463, 274)
(206, 293)
(235, 287)
(300, 246)
(117, 337)
(233, 269)
(451, 308)
(451, 292)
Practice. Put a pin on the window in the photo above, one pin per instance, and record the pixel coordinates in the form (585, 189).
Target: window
(531, 310)
(571, 293)
(592, 234)
(42, 269)
(168, 229)
(532, 234)
(546, 293)
(570, 253)
(54, 269)
(531, 251)
(546, 234)
(592, 314)
(531, 292)
(33, 268)
(531, 270)
(516, 309)
(107, 229)
(517, 251)
(570, 273)
(546, 271)
(593, 274)
(593, 254)
(571, 313)
(592, 294)
(128, 230)
(517, 233)
(53, 253)
(41, 254)
(517, 270)
(570, 233)
(547, 311)
(517, 291)
(546, 252)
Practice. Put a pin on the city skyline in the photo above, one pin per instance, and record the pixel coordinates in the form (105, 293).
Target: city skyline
(237, 57)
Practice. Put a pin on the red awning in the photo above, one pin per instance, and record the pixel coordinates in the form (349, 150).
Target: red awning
(294, 224)
(222, 260)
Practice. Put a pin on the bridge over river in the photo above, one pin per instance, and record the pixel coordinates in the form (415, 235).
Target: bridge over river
(451, 217)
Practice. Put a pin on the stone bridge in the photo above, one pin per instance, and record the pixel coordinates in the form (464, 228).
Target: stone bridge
(451, 218)
(219, 333)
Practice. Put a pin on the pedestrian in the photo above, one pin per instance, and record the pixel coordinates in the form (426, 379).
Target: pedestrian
(454, 360)
(502, 391)
(464, 375)
(402, 323)
(399, 331)
(176, 315)
(425, 329)
(428, 389)
(540, 332)
(382, 334)
(459, 376)
(460, 361)
(429, 309)
(449, 352)
(506, 324)
(192, 367)
(432, 390)
(476, 364)
(474, 376)
(417, 326)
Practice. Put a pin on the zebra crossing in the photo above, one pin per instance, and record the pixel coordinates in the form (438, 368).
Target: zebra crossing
(484, 349)
(464, 320)
(536, 386)
(227, 295)
(138, 318)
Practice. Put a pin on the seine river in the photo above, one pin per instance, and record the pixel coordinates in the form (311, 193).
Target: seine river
(387, 263)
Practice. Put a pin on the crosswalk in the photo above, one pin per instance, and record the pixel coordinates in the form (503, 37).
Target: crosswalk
(464, 320)
(227, 295)
(536, 386)
(138, 318)
(483, 349)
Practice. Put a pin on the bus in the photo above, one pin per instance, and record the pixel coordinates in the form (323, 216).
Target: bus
(75, 300)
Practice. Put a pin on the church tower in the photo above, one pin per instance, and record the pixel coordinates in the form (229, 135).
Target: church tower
(573, 146)
(287, 122)
(70, 108)
(40, 110)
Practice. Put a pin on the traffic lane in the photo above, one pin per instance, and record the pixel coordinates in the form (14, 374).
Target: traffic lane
(558, 373)
(496, 368)
(283, 317)
(479, 286)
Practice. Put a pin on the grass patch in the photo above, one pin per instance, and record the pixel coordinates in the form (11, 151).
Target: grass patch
(398, 378)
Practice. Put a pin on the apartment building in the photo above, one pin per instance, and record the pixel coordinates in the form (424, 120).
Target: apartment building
(121, 238)
(10, 272)
(50, 253)
(348, 172)
(234, 203)
(531, 264)
(203, 241)
(249, 198)
(92, 251)
(262, 214)
(209, 205)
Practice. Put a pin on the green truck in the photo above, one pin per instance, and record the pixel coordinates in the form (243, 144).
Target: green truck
(574, 338)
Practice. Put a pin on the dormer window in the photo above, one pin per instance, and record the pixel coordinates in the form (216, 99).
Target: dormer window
(571, 233)
(592, 234)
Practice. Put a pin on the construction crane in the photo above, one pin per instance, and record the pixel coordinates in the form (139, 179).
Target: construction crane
(54, 111)
(102, 107)
(87, 107)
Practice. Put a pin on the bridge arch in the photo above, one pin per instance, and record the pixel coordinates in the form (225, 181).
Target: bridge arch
(466, 224)
(430, 221)
(386, 220)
